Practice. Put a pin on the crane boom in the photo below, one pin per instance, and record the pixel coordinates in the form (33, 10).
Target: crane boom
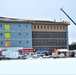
(67, 16)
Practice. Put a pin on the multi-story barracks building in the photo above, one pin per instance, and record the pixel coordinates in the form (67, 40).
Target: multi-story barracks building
(49, 35)
(15, 33)
(38, 34)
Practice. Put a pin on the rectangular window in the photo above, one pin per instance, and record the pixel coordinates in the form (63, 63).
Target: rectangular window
(41, 27)
(1, 34)
(34, 27)
(0, 25)
(63, 27)
(19, 41)
(44, 27)
(26, 25)
(34, 43)
(54, 27)
(47, 27)
(27, 41)
(60, 27)
(37, 27)
(19, 25)
(7, 43)
(19, 33)
(26, 33)
(50, 27)
(1, 42)
(7, 27)
(57, 27)
(7, 35)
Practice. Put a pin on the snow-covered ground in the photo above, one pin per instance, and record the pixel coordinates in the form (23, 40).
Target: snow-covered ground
(60, 66)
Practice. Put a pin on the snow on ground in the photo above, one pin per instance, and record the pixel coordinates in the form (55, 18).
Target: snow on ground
(39, 66)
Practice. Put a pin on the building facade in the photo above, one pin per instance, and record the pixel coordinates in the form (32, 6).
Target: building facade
(37, 34)
(48, 35)
(15, 34)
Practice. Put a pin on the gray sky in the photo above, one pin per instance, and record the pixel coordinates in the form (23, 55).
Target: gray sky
(41, 9)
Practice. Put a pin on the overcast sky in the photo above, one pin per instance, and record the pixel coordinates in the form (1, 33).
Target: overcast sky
(41, 9)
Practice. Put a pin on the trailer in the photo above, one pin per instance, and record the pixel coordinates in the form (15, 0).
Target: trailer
(10, 54)
(26, 50)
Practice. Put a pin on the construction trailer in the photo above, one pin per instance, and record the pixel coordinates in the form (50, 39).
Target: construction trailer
(10, 54)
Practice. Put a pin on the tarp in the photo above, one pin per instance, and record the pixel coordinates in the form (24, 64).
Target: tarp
(41, 51)
(62, 50)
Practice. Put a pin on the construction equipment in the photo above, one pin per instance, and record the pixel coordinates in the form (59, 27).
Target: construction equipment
(67, 16)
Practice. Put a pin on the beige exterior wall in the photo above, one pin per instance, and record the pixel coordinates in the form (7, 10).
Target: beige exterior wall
(40, 27)
(49, 28)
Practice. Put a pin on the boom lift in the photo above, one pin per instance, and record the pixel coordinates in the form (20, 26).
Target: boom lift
(67, 16)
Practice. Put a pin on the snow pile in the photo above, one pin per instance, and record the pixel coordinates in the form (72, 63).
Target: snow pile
(39, 66)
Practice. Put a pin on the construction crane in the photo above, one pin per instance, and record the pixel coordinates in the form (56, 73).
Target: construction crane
(67, 16)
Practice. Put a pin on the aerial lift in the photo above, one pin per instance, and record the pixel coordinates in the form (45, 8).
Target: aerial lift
(67, 16)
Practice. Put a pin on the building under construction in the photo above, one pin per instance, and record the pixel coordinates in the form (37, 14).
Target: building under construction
(38, 34)
(49, 35)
